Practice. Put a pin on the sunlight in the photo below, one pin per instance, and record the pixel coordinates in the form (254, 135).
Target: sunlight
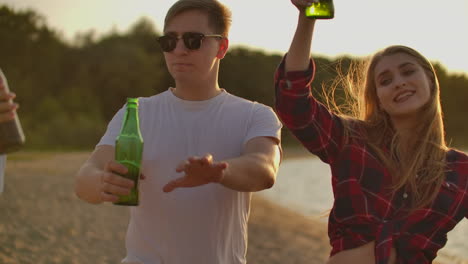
(357, 29)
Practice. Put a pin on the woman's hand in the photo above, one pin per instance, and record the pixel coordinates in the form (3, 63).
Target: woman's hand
(7, 106)
(302, 4)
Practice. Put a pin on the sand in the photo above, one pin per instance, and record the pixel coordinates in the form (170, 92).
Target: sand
(43, 222)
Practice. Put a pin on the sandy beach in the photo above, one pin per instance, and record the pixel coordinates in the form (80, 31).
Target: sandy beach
(42, 221)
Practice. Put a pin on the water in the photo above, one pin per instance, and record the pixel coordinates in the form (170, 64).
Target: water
(304, 185)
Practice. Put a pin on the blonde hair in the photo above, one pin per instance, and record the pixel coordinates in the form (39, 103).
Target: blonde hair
(419, 171)
(219, 16)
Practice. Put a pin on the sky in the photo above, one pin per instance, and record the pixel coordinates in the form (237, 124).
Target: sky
(436, 28)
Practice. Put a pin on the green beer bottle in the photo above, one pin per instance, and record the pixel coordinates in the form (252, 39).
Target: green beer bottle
(129, 149)
(11, 133)
(323, 9)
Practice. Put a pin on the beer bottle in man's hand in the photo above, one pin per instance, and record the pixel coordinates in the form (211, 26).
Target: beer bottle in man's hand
(323, 9)
(11, 133)
(129, 150)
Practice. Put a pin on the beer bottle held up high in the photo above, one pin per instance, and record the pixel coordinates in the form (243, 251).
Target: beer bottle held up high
(323, 9)
(129, 150)
(11, 133)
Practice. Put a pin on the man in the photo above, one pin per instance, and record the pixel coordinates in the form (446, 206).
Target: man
(7, 113)
(196, 135)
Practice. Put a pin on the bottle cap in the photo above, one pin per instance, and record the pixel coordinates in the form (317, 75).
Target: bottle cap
(131, 100)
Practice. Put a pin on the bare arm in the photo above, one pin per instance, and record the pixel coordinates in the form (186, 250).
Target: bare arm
(97, 181)
(254, 170)
(299, 52)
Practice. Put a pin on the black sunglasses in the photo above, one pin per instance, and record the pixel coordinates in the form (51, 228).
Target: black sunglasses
(192, 40)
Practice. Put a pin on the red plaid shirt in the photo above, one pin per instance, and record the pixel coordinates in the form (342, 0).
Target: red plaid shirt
(364, 210)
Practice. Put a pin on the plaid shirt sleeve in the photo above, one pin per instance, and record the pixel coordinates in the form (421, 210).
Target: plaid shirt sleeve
(319, 130)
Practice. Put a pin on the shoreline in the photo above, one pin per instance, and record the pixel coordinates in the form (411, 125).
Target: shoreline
(297, 152)
(280, 235)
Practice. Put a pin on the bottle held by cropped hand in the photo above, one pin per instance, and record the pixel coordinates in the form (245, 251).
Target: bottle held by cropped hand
(129, 150)
(323, 9)
(11, 133)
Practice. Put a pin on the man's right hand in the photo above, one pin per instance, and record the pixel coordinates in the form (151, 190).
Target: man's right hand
(98, 180)
(112, 184)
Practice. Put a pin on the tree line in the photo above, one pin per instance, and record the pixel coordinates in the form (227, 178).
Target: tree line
(69, 90)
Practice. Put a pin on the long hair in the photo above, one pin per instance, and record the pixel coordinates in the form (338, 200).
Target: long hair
(219, 15)
(419, 171)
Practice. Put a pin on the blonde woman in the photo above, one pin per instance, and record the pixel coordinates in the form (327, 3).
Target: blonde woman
(398, 189)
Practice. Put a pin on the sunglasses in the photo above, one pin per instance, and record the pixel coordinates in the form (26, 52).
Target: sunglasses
(192, 40)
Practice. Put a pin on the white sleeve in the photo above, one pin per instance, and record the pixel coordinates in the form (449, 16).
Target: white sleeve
(2, 171)
(263, 123)
(113, 129)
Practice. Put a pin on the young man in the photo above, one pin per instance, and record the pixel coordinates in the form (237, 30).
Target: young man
(196, 135)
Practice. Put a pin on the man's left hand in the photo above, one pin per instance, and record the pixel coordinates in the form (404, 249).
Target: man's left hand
(197, 171)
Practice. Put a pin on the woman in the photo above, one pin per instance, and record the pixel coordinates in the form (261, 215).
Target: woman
(398, 189)
(7, 113)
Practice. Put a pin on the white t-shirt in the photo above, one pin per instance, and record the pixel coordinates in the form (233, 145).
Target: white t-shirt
(200, 225)
(2, 171)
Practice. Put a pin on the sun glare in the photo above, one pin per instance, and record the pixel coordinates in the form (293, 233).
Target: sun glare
(359, 28)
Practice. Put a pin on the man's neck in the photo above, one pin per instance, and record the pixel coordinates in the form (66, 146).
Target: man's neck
(192, 91)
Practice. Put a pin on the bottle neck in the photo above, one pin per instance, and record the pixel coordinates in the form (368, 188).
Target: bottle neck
(130, 122)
